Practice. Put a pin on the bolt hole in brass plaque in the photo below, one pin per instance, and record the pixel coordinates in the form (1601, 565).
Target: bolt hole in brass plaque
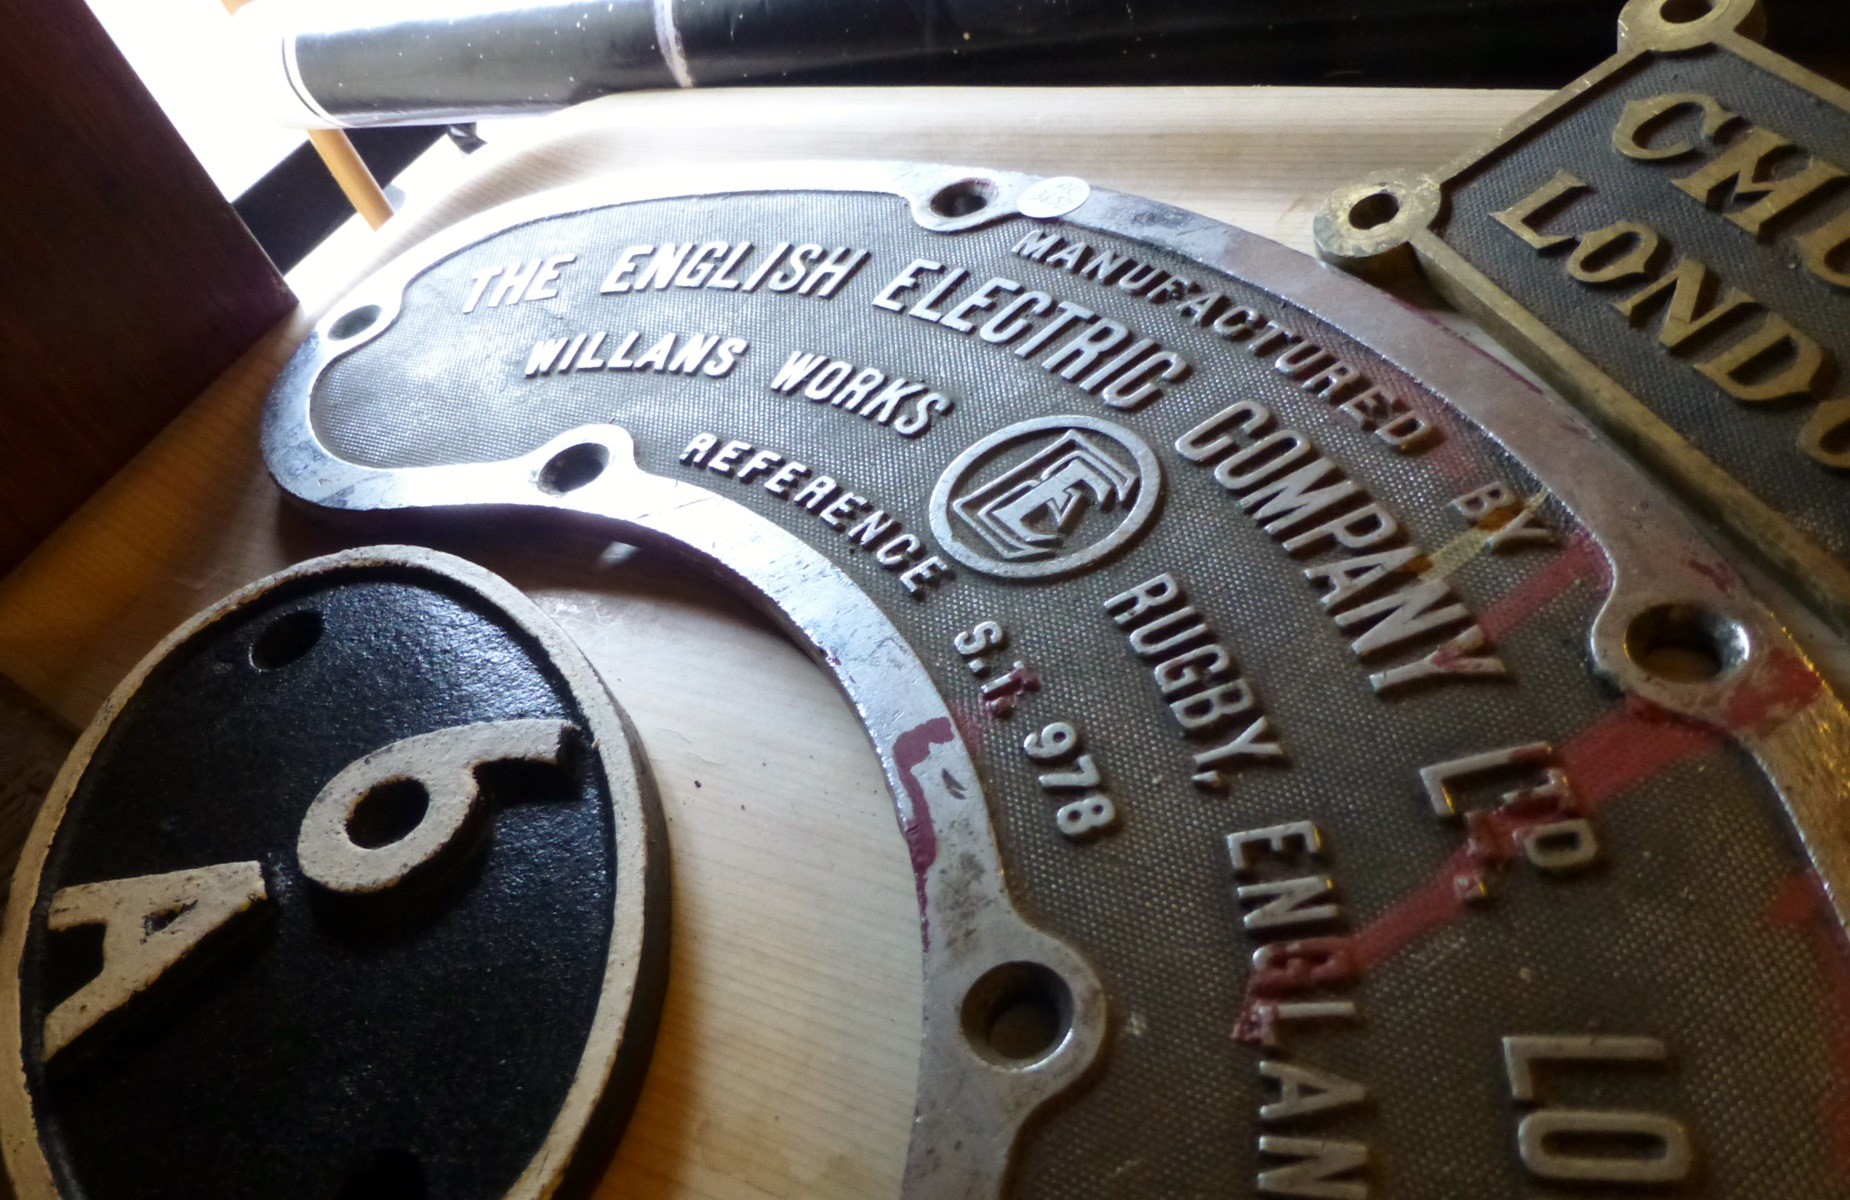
(1017, 1014)
(964, 198)
(1681, 12)
(1665, 241)
(354, 322)
(1686, 644)
(573, 468)
(1326, 766)
(1374, 210)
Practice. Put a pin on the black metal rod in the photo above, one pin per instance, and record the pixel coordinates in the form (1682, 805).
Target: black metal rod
(407, 61)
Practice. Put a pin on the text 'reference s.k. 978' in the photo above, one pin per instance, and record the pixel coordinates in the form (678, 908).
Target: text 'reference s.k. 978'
(1324, 776)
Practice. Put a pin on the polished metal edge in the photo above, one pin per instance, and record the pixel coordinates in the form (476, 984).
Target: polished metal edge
(1658, 556)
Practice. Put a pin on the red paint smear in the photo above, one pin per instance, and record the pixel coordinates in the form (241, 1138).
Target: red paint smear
(1800, 900)
(1605, 760)
(967, 718)
(1627, 747)
(1608, 757)
(1429, 907)
(910, 749)
(1443, 897)
(1719, 574)
(1001, 698)
(1781, 685)
(1801, 904)
(1580, 560)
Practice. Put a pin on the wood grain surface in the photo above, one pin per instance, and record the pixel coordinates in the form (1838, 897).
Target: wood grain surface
(127, 283)
(788, 1055)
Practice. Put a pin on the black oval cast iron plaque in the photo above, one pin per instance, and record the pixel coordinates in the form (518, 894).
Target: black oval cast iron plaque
(350, 891)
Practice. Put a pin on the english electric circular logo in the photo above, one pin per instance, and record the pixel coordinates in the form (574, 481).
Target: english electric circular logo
(1046, 497)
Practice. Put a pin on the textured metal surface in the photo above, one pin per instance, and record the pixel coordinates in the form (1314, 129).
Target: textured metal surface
(474, 1027)
(1666, 239)
(1080, 774)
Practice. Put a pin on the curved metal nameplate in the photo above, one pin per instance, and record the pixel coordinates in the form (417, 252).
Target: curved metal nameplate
(1327, 770)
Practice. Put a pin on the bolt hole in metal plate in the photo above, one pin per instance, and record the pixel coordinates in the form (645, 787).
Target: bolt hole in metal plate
(1327, 769)
(354, 889)
(1667, 240)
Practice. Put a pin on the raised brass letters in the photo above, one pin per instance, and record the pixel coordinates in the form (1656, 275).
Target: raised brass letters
(1668, 241)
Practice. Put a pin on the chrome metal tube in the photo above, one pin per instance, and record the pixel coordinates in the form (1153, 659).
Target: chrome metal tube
(424, 61)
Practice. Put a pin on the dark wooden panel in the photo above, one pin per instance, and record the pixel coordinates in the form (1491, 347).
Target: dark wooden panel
(126, 281)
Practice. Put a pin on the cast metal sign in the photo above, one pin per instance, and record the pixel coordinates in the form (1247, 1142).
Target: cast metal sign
(353, 889)
(1668, 240)
(1322, 777)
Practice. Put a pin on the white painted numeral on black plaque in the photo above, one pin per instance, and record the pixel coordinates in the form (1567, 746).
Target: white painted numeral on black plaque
(441, 766)
(151, 922)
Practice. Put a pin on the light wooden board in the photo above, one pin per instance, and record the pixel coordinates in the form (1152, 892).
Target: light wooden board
(787, 1057)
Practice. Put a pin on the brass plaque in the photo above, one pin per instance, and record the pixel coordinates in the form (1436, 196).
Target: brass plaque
(1668, 241)
(1320, 777)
